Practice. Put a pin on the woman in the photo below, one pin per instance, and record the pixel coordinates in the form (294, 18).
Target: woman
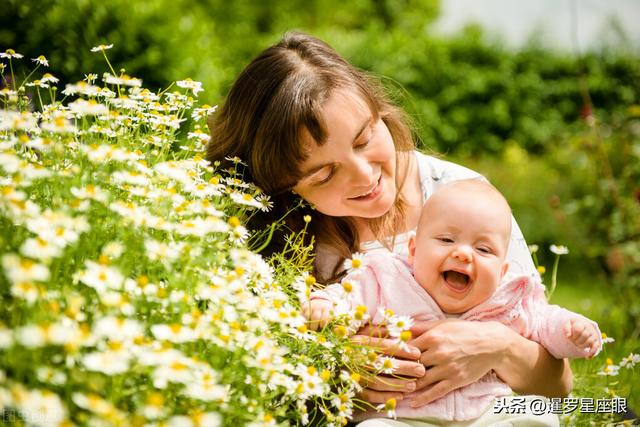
(310, 125)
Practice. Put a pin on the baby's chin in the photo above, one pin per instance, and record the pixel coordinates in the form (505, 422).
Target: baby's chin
(457, 307)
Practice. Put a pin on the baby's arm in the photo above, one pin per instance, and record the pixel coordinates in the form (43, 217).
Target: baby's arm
(584, 334)
(565, 333)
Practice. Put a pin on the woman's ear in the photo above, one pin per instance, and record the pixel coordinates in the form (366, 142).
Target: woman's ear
(412, 249)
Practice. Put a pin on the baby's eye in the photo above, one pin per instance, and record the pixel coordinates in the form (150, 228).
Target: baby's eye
(445, 239)
(484, 250)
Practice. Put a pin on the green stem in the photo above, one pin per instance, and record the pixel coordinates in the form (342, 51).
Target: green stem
(13, 77)
(554, 273)
(272, 228)
(112, 70)
(40, 98)
(28, 76)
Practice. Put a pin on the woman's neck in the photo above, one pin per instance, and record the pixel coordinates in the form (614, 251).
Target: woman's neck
(411, 193)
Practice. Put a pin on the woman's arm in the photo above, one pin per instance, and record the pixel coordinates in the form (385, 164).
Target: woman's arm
(528, 368)
(457, 353)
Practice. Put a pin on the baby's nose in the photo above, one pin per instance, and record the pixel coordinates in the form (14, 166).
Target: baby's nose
(463, 253)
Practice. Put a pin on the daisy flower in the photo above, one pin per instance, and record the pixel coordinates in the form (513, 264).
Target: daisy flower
(630, 361)
(6, 338)
(37, 247)
(10, 53)
(41, 60)
(92, 192)
(94, 403)
(49, 375)
(210, 419)
(11, 120)
(59, 124)
(201, 226)
(206, 388)
(355, 264)
(199, 136)
(40, 407)
(245, 199)
(203, 112)
(386, 365)
(41, 144)
(175, 333)
(191, 85)
(101, 277)
(610, 369)
(559, 250)
(110, 362)
(38, 335)
(82, 107)
(81, 88)
(101, 48)
(23, 270)
(124, 80)
(49, 78)
(155, 406)
(177, 371)
(118, 328)
(399, 324)
(607, 339)
(389, 407)
(38, 83)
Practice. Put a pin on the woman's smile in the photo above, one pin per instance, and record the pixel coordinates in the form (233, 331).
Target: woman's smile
(371, 194)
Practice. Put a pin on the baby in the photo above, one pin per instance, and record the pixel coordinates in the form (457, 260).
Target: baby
(457, 268)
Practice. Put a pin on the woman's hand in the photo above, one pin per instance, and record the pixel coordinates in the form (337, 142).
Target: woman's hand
(380, 388)
(457, 353)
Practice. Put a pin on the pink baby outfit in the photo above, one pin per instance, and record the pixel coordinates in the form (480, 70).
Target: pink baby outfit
(386, 281)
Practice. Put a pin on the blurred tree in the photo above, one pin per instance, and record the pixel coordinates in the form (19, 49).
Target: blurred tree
(467, 94)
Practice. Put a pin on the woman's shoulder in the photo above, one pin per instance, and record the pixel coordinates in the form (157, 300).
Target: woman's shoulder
(435, 172)
(439, 169)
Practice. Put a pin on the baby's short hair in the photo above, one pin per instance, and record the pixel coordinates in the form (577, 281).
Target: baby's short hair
(474, 186)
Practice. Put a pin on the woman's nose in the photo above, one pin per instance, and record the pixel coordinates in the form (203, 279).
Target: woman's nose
(361, 171)
(463, 253)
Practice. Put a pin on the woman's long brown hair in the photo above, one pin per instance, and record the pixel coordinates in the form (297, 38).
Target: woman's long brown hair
(281, 92)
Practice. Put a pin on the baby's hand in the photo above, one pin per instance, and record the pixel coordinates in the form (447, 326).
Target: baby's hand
(583, 335)
(317, 311)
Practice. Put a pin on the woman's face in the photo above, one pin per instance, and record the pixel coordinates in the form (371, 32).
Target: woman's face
(353, 172)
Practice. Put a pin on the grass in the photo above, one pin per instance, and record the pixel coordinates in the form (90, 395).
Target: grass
(588, 295)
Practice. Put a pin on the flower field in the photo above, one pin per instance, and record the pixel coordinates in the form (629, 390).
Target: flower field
(130, 293)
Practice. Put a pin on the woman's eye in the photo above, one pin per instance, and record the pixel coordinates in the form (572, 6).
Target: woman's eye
(364, 143)
(366, 139)
(323, 179)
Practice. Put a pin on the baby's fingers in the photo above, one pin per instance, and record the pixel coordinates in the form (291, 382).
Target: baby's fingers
(568, 328)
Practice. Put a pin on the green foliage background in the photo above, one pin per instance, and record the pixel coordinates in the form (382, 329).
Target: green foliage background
(558, 133)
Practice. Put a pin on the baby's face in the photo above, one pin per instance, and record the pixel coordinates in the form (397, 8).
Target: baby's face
(459, 251)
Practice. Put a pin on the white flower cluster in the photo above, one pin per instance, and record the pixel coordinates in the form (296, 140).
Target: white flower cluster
(130, 294)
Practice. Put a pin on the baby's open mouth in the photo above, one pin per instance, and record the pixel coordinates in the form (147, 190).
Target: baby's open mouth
(455, 279)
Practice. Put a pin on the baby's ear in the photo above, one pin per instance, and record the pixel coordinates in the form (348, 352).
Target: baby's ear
(412, 249)
(505, 268)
